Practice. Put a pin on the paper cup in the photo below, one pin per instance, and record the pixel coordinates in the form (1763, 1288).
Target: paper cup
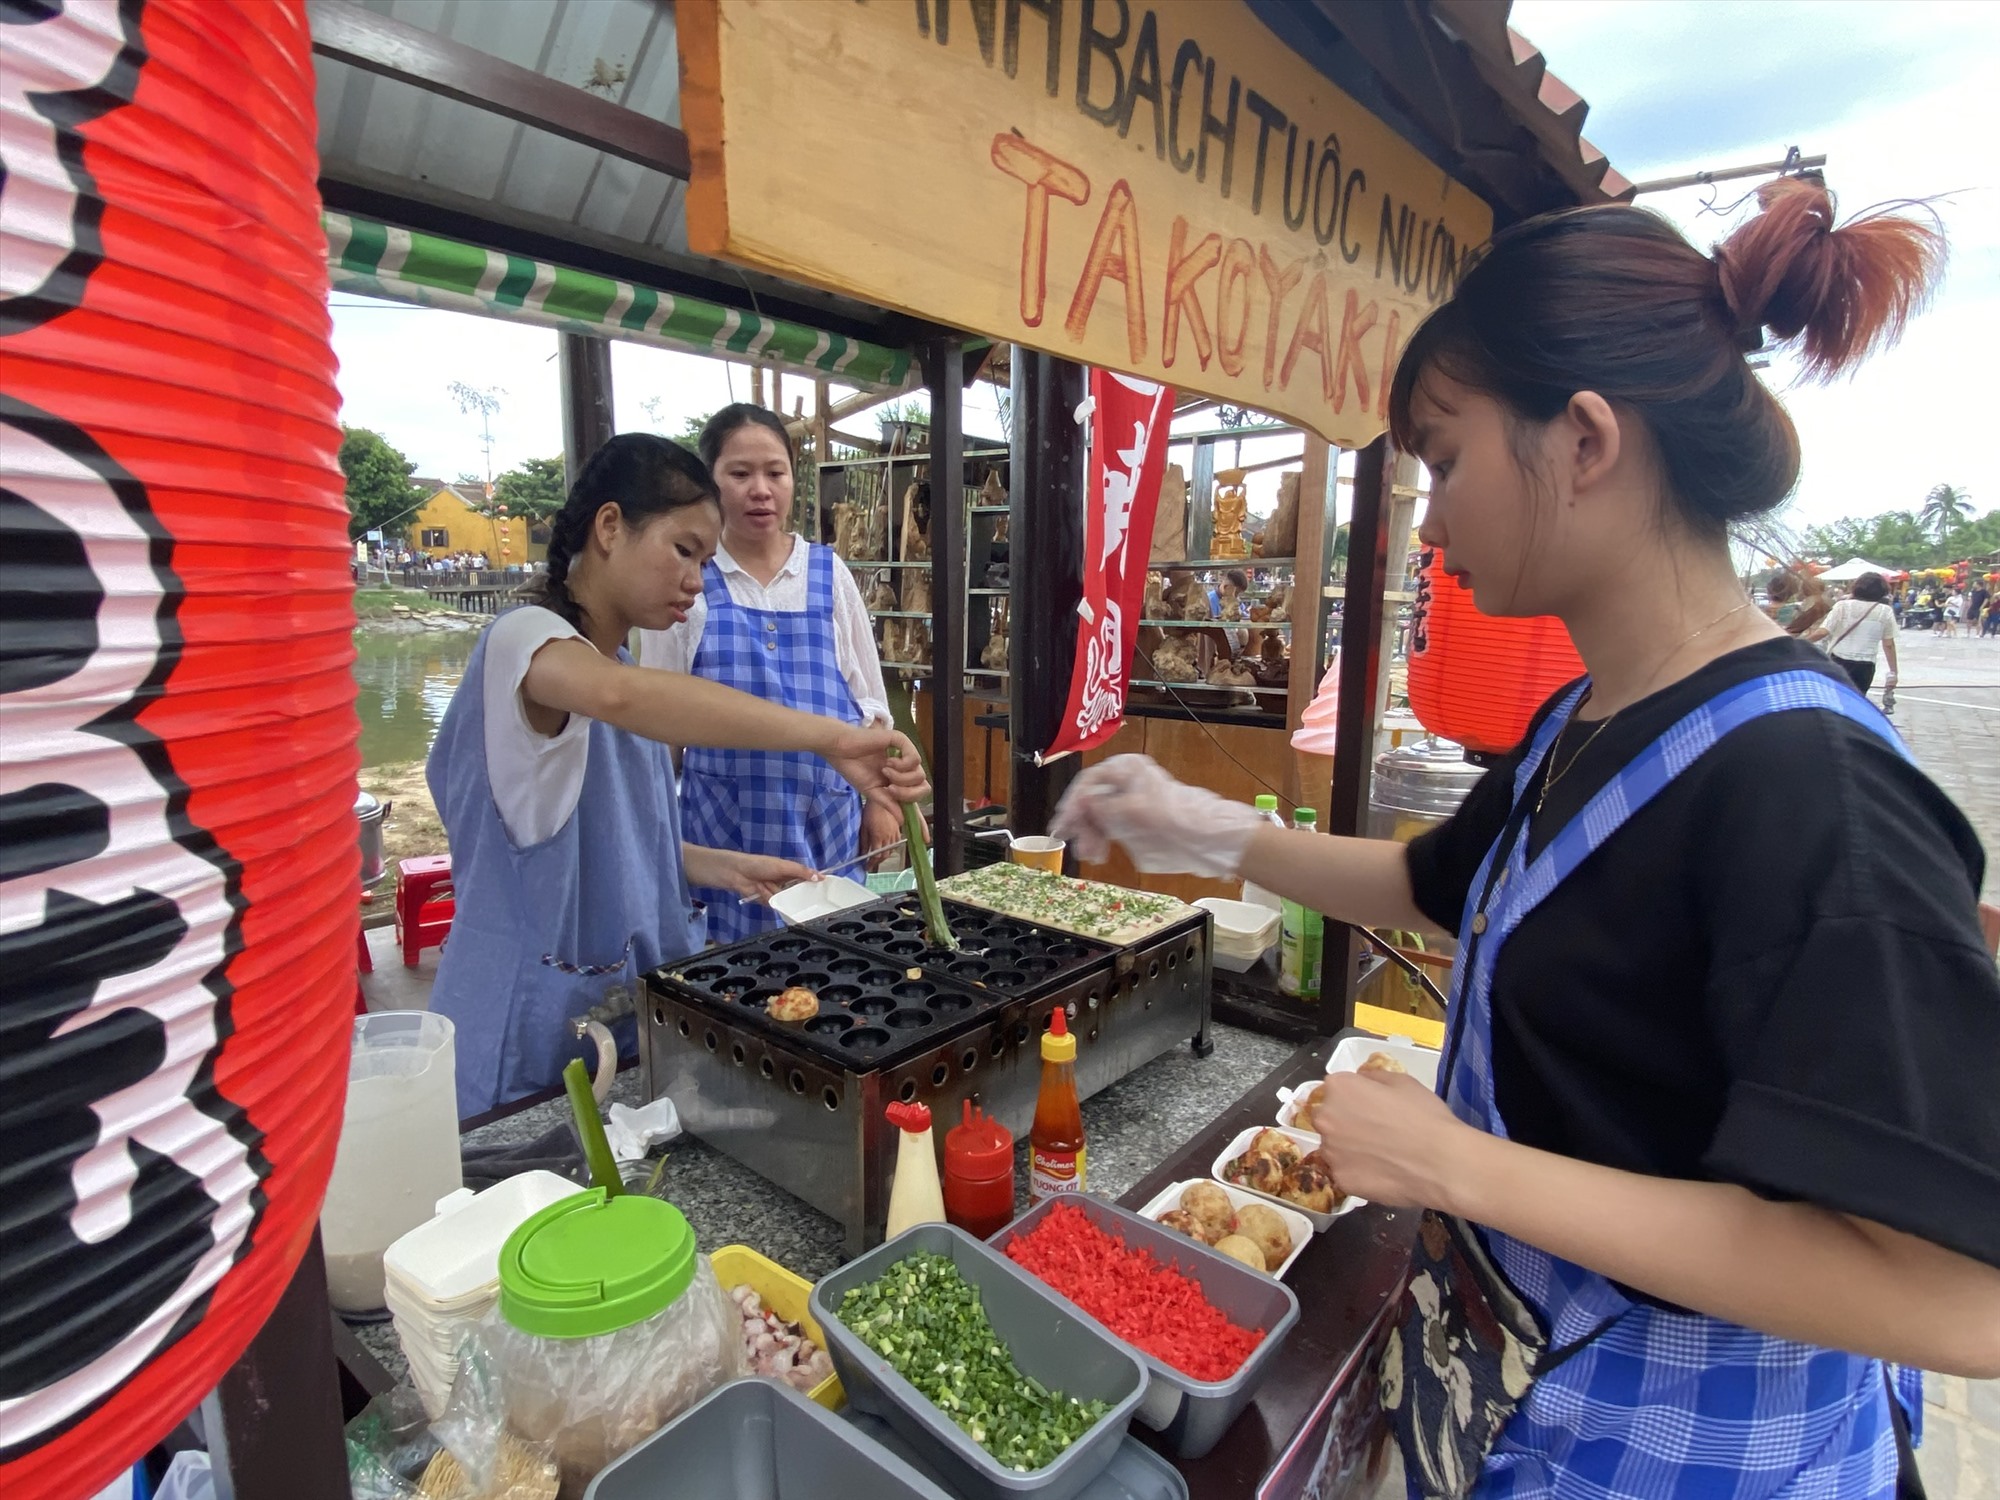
(1038, 854)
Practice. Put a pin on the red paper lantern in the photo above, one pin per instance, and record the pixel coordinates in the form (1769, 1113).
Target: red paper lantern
(1476, 678)
(177, 730)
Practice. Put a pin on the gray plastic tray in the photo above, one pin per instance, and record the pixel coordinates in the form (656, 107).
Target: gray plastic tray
(1135, 1472)
(759, 1440)
(1049, 1339)
(1195, 1422)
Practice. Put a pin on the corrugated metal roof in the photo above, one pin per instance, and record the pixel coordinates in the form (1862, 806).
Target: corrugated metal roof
(387, 136)
(1474, 94)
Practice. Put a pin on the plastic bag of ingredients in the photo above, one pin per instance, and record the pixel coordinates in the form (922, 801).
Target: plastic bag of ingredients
(609, 1326)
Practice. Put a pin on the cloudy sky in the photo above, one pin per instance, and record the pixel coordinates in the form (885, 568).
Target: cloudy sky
(1901, 97)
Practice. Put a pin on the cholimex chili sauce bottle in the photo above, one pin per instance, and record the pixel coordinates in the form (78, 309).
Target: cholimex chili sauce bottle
(1055, 1145)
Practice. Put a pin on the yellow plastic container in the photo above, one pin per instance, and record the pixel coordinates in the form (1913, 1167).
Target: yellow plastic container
(784, 1293)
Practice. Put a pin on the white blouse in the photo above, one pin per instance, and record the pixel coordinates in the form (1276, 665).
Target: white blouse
(1856, 628)
(853, 632)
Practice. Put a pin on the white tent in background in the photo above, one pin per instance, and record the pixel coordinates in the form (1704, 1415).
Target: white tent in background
(1853, 568)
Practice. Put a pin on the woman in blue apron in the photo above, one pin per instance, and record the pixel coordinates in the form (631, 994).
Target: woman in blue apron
(1716, 1165)
(782, 618)
(552, 776)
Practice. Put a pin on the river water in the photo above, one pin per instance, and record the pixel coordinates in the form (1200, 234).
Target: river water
(406, 683)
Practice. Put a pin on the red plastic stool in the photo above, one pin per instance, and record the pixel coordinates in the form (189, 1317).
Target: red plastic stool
(424, 904)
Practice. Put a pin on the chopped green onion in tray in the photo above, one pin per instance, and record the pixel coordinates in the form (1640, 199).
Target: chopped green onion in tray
(926, 1319)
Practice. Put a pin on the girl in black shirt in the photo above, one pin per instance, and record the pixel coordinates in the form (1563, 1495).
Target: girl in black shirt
(1724, 1103)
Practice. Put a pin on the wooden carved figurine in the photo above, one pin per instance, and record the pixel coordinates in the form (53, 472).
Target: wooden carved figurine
(917, 522)
(1232, 509)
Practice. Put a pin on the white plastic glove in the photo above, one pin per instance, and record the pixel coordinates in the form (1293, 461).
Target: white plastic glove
(1167, 828)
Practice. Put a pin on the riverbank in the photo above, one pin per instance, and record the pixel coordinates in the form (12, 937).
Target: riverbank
(386, 611)
(413, 827)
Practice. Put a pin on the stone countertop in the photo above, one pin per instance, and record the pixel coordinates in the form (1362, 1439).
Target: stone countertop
(1131, 1127)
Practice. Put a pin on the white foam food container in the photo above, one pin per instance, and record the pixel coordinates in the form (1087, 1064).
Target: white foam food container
(456, 1257)
(1306, 1143)
(1244, 932)
(1296, 1223)
(1420, 1062)
(810, 900)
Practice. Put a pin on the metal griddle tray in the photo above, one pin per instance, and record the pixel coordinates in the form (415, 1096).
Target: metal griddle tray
(871, 1013)
(1000, 952)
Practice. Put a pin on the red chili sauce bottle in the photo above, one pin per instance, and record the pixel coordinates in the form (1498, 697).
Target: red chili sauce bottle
(979, 1174)
(1055, 1145)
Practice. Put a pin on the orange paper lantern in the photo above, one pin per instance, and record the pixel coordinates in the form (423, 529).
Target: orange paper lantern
(177, 728)
(1478, 679)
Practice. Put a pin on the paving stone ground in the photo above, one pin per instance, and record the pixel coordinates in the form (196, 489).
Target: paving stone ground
(1948, 708)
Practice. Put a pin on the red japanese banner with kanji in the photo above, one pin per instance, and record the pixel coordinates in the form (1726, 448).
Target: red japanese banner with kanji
(1128, 453)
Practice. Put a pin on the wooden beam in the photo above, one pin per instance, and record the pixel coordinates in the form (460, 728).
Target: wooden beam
(847, 406)
(388, 48)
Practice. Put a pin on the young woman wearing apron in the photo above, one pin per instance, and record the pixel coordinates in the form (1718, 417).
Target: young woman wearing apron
(781, 618)
(1716, 1165)
(552, 776)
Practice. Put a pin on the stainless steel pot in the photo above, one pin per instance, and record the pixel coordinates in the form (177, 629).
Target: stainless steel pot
(369, 813)
(1417, 787)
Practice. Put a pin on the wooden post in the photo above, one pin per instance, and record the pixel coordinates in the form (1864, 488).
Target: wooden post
(1045, 551)
(822, 453)
(778, 391)
(756, 385)
(1308, 602)
(273, 1423)
(948, 600)
(588, 422)
(1361, 666)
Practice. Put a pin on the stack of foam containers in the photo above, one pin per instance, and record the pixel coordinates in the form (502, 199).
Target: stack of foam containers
(441, 1277)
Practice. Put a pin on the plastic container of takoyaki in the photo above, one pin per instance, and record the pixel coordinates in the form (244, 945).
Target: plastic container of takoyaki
(1190, 1414)
(759, 1440)
(1049, 1339)
(1421, 1063)
(1297, 1225)
(1307, 1144)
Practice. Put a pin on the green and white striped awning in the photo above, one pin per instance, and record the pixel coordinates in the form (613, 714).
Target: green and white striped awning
(405, 265)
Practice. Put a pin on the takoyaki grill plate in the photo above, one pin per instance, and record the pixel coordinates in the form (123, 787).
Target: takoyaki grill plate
(995, 952)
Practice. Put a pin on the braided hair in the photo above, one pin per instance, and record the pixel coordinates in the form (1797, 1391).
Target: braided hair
(645, 476)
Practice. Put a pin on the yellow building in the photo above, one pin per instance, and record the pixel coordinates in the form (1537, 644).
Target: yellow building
(450, 522)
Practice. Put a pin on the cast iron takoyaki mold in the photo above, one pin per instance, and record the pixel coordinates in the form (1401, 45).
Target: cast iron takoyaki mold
(872, 1014)
(995, 952)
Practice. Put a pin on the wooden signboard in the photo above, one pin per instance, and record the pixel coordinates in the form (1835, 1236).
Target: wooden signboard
(1160, 188)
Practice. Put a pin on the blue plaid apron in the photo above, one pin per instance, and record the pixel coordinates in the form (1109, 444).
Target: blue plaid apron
(542, 932)
(784, 803)
(1660, 1403)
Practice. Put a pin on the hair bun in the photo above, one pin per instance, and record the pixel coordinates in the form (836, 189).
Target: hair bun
(1847, 289)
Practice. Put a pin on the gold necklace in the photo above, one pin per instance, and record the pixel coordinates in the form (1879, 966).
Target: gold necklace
(1555, 775)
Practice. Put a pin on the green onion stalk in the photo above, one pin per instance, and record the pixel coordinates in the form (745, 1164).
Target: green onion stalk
(938, 928)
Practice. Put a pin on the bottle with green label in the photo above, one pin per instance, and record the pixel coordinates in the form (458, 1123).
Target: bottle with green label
(1301, 933)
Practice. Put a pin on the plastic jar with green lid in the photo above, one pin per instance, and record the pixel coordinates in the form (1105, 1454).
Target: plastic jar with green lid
(609, 1325)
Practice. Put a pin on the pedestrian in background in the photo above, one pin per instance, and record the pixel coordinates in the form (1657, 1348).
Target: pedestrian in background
(1859, 628)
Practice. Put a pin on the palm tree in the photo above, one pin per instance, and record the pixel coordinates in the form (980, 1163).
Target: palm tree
(1946, 507)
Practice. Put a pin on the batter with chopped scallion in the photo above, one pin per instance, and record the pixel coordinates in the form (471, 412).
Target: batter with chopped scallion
(927, 1320)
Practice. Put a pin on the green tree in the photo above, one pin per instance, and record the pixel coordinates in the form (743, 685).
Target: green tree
(1946, 508)
(533, 489)
(379, 491)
